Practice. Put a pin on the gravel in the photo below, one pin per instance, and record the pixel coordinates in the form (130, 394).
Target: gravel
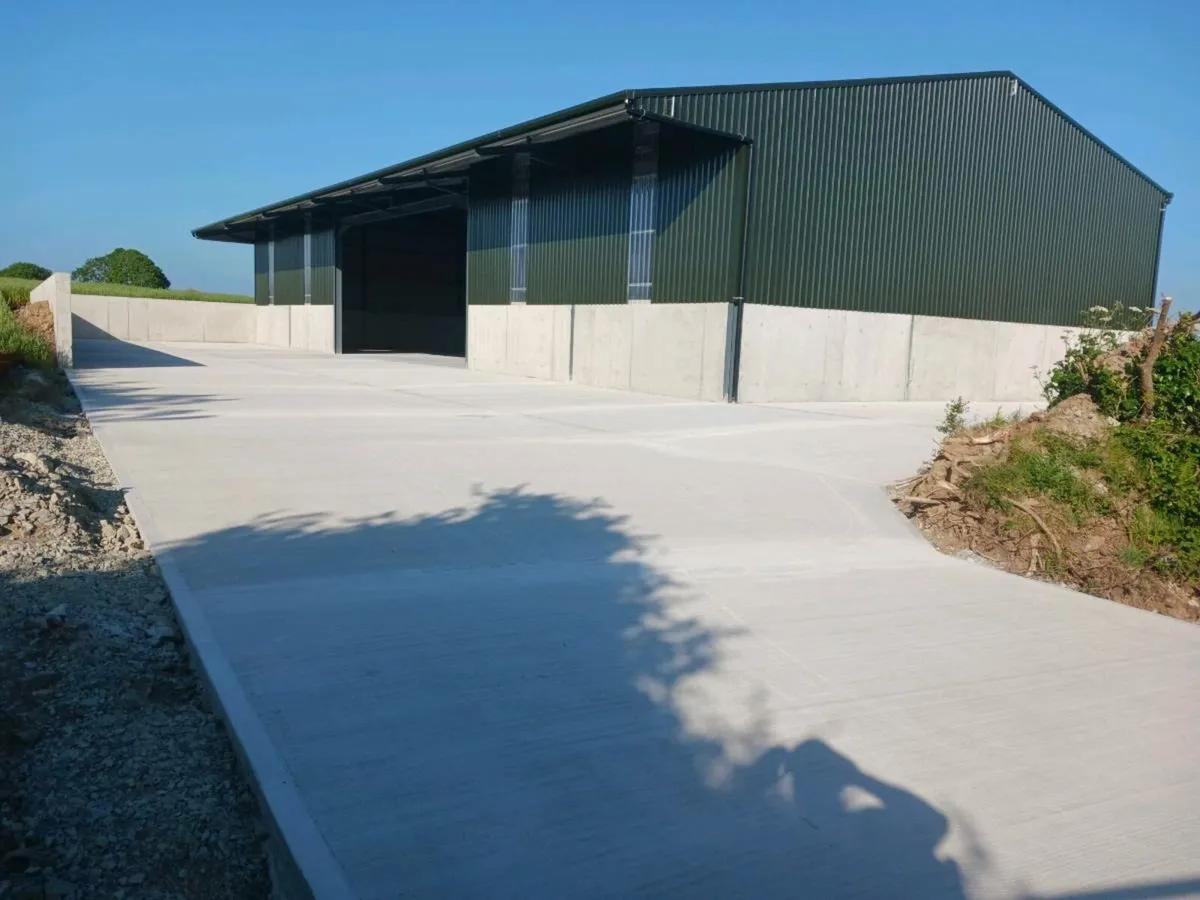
(116, 778)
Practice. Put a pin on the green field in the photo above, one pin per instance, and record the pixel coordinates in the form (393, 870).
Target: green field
(125, 290)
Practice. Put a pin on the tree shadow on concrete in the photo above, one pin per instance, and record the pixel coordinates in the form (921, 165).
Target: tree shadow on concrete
(511, 699)
(515, 699)
(109, 400)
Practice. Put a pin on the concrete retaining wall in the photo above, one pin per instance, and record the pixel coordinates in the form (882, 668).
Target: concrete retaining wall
(787, 354)
(791, 354)
(142, 319)
(298, 327)
(672, 349)
(56, 290)
(534, 341)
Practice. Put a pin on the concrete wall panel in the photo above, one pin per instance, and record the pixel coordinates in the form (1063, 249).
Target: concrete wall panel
(297, 326)
(874, 357)
(487, 337)
(176, 321)
(951, 358)
(1019, 355)
(139, 318)
(670, 344)
(118, 317)
(228, 323)
(56, 291)
(273, 326)
(716, 338)
(784, 353)
(793, 354)
(563, 348)
(603, 345)
(530, 347)
(321, 328)
(90, 317)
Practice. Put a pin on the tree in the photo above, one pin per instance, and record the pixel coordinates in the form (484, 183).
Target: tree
(122, 266)
(26, 270)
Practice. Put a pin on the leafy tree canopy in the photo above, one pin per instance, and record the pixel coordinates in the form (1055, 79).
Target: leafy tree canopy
(26, 270)
(122, 266)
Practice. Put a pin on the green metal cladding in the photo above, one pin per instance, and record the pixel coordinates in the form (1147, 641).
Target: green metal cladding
(488, 227)
(699, 218)
(324, 267)
(579, 221)
(289, 270)
(261, 273)
(962, 196)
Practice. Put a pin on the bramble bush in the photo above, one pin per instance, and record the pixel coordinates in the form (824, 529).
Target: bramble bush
(1162, 451)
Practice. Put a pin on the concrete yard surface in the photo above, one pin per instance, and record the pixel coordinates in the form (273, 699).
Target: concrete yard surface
(483, 636)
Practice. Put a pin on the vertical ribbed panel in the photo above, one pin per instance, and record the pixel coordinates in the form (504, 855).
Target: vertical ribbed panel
(579, 221)
(324, 267)
(289, 270)
(701, 190)
(489, 223)
(950, 197)
(261, 275)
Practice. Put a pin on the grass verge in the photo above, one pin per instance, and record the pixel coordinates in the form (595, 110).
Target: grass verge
(125, 290)
(29, 348)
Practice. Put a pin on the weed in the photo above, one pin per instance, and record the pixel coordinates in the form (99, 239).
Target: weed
(954, 420)
(1048, 466)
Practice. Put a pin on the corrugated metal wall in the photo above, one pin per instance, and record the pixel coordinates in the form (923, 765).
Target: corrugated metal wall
(289, 270)
(701, 197)
(579, 219)
(952, 197)
(324, 267)
(578, 223)
(261, 272)
(488, 225)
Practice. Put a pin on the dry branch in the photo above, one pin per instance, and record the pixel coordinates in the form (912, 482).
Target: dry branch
(1146, 370)
(1040, 524)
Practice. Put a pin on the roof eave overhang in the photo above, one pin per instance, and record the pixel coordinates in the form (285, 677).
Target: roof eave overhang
(441, 173)
(455, 158)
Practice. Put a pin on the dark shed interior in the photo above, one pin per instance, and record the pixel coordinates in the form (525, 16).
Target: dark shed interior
(404, 285)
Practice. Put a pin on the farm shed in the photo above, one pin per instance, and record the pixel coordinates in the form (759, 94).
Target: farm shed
(893, 238)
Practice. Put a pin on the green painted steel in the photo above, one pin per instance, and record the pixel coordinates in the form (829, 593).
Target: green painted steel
(324, 267)
(262, 260)
(969, 197)
(488, 228)
(289, 270)
(698, 212)
(579, 219)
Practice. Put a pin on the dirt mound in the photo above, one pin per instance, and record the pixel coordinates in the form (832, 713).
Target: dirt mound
(1075, 417)
(961, 455)
(1032, 535)
(38, 318)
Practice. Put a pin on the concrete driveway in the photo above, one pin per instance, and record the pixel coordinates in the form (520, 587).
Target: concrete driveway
(489, 637)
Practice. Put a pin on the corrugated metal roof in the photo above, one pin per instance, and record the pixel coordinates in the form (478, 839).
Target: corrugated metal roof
(462, 155)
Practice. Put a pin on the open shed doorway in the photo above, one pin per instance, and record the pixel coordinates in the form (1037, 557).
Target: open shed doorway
(404, 285)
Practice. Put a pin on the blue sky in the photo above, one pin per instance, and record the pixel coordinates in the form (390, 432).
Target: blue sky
(130, 123)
